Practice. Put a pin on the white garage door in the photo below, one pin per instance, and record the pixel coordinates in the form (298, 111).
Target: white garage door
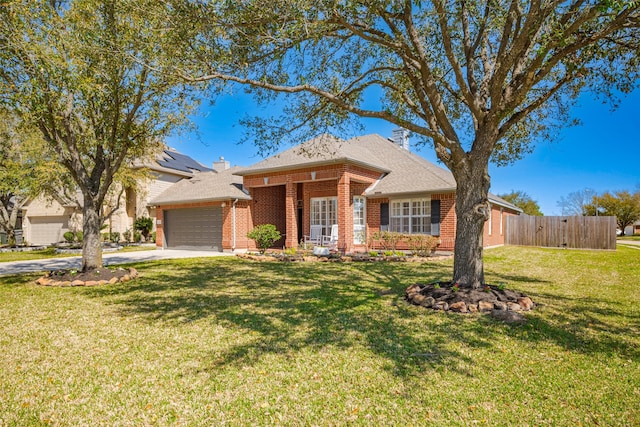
(46, 230)
(194, 228)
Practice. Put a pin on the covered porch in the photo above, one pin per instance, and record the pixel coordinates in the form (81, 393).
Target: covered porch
(319, 199)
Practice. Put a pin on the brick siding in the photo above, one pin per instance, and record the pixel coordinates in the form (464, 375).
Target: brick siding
(496, 237)
(276, 202)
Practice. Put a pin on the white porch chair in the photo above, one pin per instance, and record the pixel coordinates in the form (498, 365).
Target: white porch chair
(331, 241)
(315, 235)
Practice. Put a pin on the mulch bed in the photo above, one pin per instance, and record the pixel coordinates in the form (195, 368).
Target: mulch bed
(100, 276)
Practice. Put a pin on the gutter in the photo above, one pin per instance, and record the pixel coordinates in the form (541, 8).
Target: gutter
(372, 186)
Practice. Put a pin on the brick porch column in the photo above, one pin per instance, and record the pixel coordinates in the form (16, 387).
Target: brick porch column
(345, 214)
(291, 240)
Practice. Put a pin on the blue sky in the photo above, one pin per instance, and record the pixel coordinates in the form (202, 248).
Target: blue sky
(603, 153)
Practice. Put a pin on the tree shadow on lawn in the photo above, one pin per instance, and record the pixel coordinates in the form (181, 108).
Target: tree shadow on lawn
(283, 308)
(581, 324)
(18, 280)
(588, 325)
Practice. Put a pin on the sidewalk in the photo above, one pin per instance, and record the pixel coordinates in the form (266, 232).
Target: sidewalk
(631, 243)
(112, 258)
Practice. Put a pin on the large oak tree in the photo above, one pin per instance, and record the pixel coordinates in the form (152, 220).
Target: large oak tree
(74, 70)
(479, 81)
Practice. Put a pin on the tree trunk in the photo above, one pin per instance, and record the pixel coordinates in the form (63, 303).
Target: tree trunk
(9, 219)
(11, 236)
(91, 245)
(472, 210)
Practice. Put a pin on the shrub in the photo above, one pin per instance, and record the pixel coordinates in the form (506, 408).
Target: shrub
(126, 235)
(137, 237)
(115, 237)
(421, 244)
(265, 236)
(105, 237)
(153, 237)
(79, 236)
(68, 236)
(388, 239)
(144, 225)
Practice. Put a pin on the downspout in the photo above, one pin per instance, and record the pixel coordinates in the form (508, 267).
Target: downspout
(233, 224)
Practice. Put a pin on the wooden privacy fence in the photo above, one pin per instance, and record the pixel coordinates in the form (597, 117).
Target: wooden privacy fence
(578, 232)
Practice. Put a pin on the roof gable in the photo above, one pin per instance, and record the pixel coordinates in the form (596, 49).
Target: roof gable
(319, 151)
(401, 171)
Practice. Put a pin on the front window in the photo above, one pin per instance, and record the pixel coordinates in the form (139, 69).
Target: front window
(324, 213)
(412, 216)
(359, 220)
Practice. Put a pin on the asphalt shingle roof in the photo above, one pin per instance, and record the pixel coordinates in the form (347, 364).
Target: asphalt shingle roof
(321, 150)
(404, 171)
(204, 187)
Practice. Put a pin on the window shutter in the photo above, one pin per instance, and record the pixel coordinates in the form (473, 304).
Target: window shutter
(384, 216)
(435, 217)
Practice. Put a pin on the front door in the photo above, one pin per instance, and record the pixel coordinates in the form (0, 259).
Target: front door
(324, 213)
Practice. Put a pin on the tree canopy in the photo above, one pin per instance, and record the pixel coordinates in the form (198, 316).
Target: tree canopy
(82, 73)
(478, 81)
(625, 206)
(523, 201)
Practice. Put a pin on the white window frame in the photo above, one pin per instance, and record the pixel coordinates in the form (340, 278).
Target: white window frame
(490, 219)
(327, 214)
(359, 220)
(410, 216)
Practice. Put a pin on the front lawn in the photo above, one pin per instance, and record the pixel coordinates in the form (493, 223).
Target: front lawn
(224, 341)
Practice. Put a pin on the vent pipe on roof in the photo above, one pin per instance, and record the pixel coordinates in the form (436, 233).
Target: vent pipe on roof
(400, 137)
(221, 165)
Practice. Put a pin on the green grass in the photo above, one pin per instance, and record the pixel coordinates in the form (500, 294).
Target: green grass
(634, 237)
(221, 341)
(51, 253)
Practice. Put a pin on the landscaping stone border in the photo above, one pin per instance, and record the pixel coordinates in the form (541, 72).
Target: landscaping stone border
(502, 304)
(48, 280)
(23, 249)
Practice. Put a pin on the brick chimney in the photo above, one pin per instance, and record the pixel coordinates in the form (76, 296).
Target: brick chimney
(221, 165)
(400, 137)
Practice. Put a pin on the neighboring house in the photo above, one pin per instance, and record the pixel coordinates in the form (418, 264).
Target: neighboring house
(633, 229)
(362, 185)
(45, 220)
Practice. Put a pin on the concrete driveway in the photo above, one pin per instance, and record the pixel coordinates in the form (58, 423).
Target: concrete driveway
(112, 258)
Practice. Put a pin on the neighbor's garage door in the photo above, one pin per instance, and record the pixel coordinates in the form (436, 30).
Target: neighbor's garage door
(194, 228)
(46, 230)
